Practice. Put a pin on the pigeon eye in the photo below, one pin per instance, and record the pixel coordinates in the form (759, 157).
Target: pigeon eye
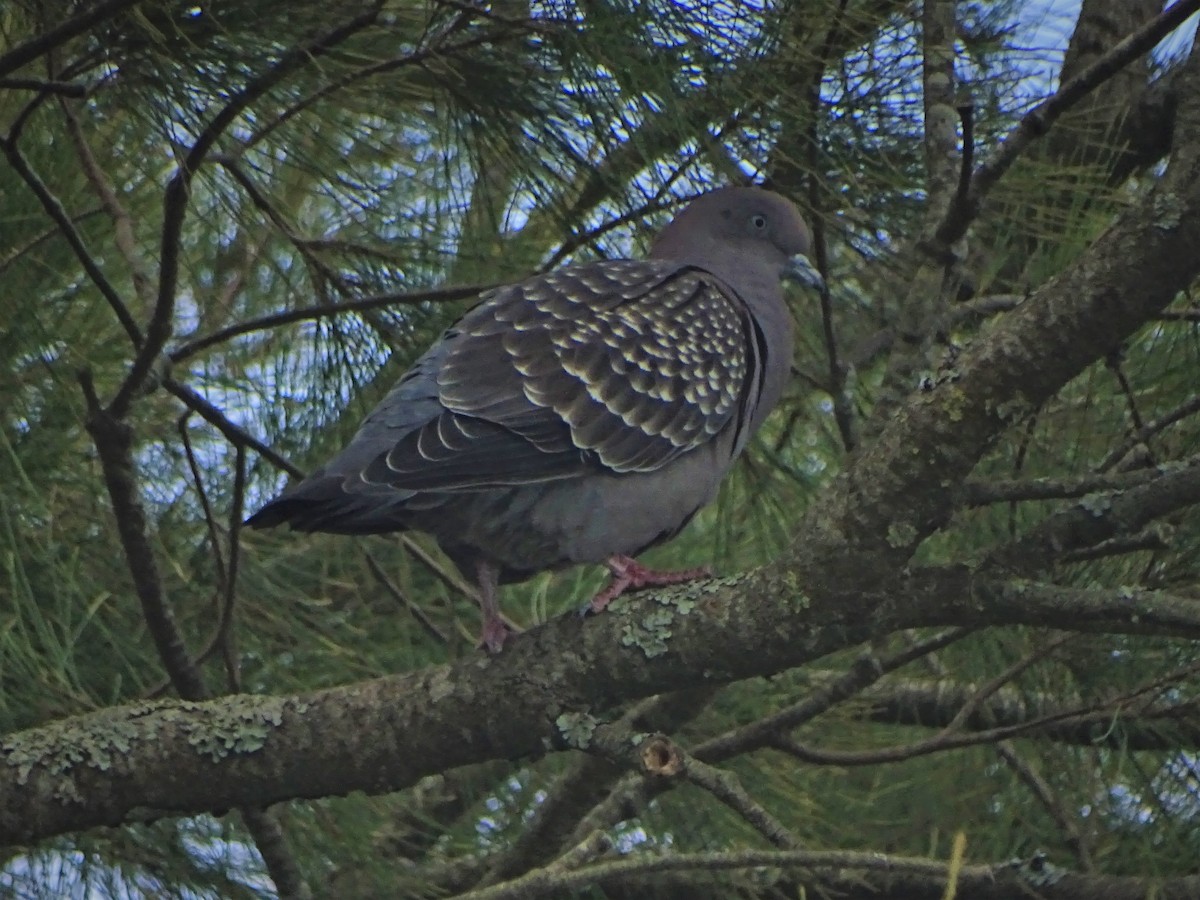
(758, 221)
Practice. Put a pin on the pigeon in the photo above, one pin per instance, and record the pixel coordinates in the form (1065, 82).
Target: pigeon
(579, 416)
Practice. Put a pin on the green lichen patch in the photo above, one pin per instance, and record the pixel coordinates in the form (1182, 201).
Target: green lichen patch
(649, 632)
(901, 534)
(652, 615)
(95, 742)
(60, 750)
(1168, 212)
(576, 729)
(239, 725)
(1096, 504)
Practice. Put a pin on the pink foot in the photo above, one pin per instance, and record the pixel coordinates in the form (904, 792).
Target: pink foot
(630, 575)
(494, 634)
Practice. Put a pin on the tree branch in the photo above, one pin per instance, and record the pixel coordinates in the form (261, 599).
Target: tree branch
(155, 759)
(1039, 120)
(323, 311)
(1036, 878)
(31, 49)
(175, 199)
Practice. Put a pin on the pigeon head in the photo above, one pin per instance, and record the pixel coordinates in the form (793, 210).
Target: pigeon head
(747, 236)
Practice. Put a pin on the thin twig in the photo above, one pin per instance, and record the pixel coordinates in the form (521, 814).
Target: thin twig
(866, 671)
(945, 740)
(1045, 795)
(51, 232)
(982, 493)
(234, 433)
(452, 581)
(1189, 407)
(54, 209)
(1114, 364)
(404, 600)
(323, 311)
(1156, 537)
(123, 228)
(725, 786)
(991, 686)
(541, 883)
(210, 521)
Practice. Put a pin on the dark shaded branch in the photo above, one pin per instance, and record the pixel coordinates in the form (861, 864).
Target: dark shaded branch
(61, 88)
(37, 46)
(54, 209)
(1002, 881)
(324, 311)
(981, 493)
(1039, 120)
(175, 199)
(1102, 517)
(114, 446)
(385, 734)
(1046, 795)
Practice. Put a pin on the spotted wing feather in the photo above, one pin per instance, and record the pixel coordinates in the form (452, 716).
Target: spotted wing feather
(619, 365)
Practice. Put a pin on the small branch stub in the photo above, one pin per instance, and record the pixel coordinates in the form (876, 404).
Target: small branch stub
(661, 757)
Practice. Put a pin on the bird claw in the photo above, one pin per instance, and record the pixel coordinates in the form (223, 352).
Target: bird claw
(630, 575)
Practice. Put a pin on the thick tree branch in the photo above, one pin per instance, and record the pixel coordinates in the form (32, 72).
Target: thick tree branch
(901, 487)
(155, 759)
(114, 446)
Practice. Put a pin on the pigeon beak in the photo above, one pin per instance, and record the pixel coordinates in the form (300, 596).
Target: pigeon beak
(801, 270)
